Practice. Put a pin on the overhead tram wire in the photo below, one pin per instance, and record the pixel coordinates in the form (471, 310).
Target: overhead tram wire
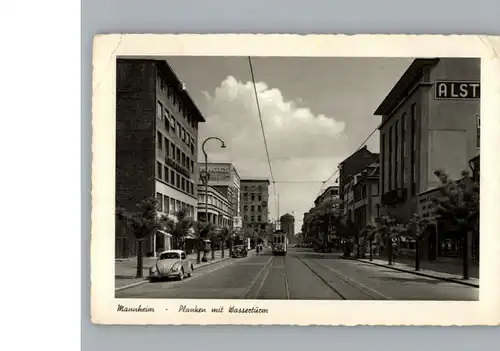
(263, 132)
(337, 170)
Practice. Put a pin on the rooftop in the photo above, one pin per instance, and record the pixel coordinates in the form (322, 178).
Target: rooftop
(404, 84)
(255, 180)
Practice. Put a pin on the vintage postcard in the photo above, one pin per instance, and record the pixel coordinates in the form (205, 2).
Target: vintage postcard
(300, 180)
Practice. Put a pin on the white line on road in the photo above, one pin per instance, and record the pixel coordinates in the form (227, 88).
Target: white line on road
(265, 271)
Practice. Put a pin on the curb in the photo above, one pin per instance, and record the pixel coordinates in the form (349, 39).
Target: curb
(416, 273)
(146, 279)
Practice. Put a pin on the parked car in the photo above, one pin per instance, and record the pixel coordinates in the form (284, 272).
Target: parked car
(171, 264)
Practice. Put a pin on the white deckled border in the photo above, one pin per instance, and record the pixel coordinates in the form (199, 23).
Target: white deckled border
(103, 305)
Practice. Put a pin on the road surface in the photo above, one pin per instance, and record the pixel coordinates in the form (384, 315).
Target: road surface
(302, 275)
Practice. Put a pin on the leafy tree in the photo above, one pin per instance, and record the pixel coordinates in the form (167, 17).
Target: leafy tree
(368, 234)
(180, 226)
(225, 235)
(417, 229)
(389, 229)
(459, 206)
(202, 232)
(142, 224)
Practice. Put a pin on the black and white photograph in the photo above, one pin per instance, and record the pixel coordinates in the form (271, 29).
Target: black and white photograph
(297, 178)
(244, 177)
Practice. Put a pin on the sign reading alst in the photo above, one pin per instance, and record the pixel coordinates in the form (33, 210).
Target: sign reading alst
(457, 90)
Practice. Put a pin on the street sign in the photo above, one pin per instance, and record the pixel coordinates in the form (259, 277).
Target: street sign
(457, 90)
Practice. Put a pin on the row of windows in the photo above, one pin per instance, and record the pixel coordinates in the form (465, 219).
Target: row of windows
(171, 150)
(164, 87)
(173, 178)
(252, 197)
(171, 125)
(252, 218)
(253, 187)
(213, 200)
(394, 155)
(252, 208)
(170, 205)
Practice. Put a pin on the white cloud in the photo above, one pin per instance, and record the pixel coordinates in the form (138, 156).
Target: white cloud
(302, 146)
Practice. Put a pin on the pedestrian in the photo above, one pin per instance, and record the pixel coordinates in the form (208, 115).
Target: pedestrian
(257, 249)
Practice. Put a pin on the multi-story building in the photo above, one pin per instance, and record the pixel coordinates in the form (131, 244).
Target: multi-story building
(156, 143)
(430, 121)
(351, 170)
(224, 178)
(352, 165)
(287, 224)
(331, 195)
(216, 205)
(254, 205)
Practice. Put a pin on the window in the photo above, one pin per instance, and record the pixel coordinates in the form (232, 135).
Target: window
(478, 131)
(383, 167)
(159, 140)
(258, 208)
(183, 158)
(259, 197)
(413, 149)
(252, 197)
(192, 166)
(252, 218)
(159, 205)
(172, 149)
(259, 219)
(245, 208)
(173, 124)
(178, 181)
(167, 146)
(178, 158)
(183, 135)
(166, 203)
(245, 218)
(183, 184)
(245, 188)
(245, 197)
(159, 110)
(397, 148)
(403, 150)
(172, 177)
(390, 160)
(252, 208)
(179, 130)
(165, 173)
(158, 169)
(172, 205)
(178, 205)
(167, 120)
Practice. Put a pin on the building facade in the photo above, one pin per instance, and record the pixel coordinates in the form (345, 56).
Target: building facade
(351, 166)
(216, 205)
(224, 178)
(430, 121)
(287, 224)
(254, 205)
(156, 143)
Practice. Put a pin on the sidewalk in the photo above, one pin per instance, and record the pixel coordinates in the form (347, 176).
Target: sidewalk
(446, 269)
(125, 269)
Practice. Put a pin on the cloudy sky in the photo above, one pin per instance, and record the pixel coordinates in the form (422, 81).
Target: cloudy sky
(315, 111)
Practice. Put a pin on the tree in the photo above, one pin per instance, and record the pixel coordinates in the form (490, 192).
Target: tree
(459, 206)
(202, 232)
(368, 234)
(142, 224)
(389, 230)
(417, 229)
(225, 235)
(179, 226)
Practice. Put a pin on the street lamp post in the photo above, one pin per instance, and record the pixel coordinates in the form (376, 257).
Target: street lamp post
(205, 179)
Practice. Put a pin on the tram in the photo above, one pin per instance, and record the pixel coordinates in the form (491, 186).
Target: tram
(279, 242)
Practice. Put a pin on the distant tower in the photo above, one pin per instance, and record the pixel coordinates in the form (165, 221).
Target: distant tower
(287, 224)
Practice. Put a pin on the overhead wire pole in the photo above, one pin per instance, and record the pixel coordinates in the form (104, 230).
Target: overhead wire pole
(263, 132)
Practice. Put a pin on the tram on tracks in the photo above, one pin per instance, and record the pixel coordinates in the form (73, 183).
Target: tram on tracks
(279, 242)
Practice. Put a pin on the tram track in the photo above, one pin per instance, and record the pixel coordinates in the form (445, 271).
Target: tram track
(372, 294)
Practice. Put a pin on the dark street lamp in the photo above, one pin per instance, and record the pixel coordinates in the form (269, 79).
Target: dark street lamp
(205, 178)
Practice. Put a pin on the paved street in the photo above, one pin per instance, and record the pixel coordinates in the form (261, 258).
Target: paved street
(302, 274)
